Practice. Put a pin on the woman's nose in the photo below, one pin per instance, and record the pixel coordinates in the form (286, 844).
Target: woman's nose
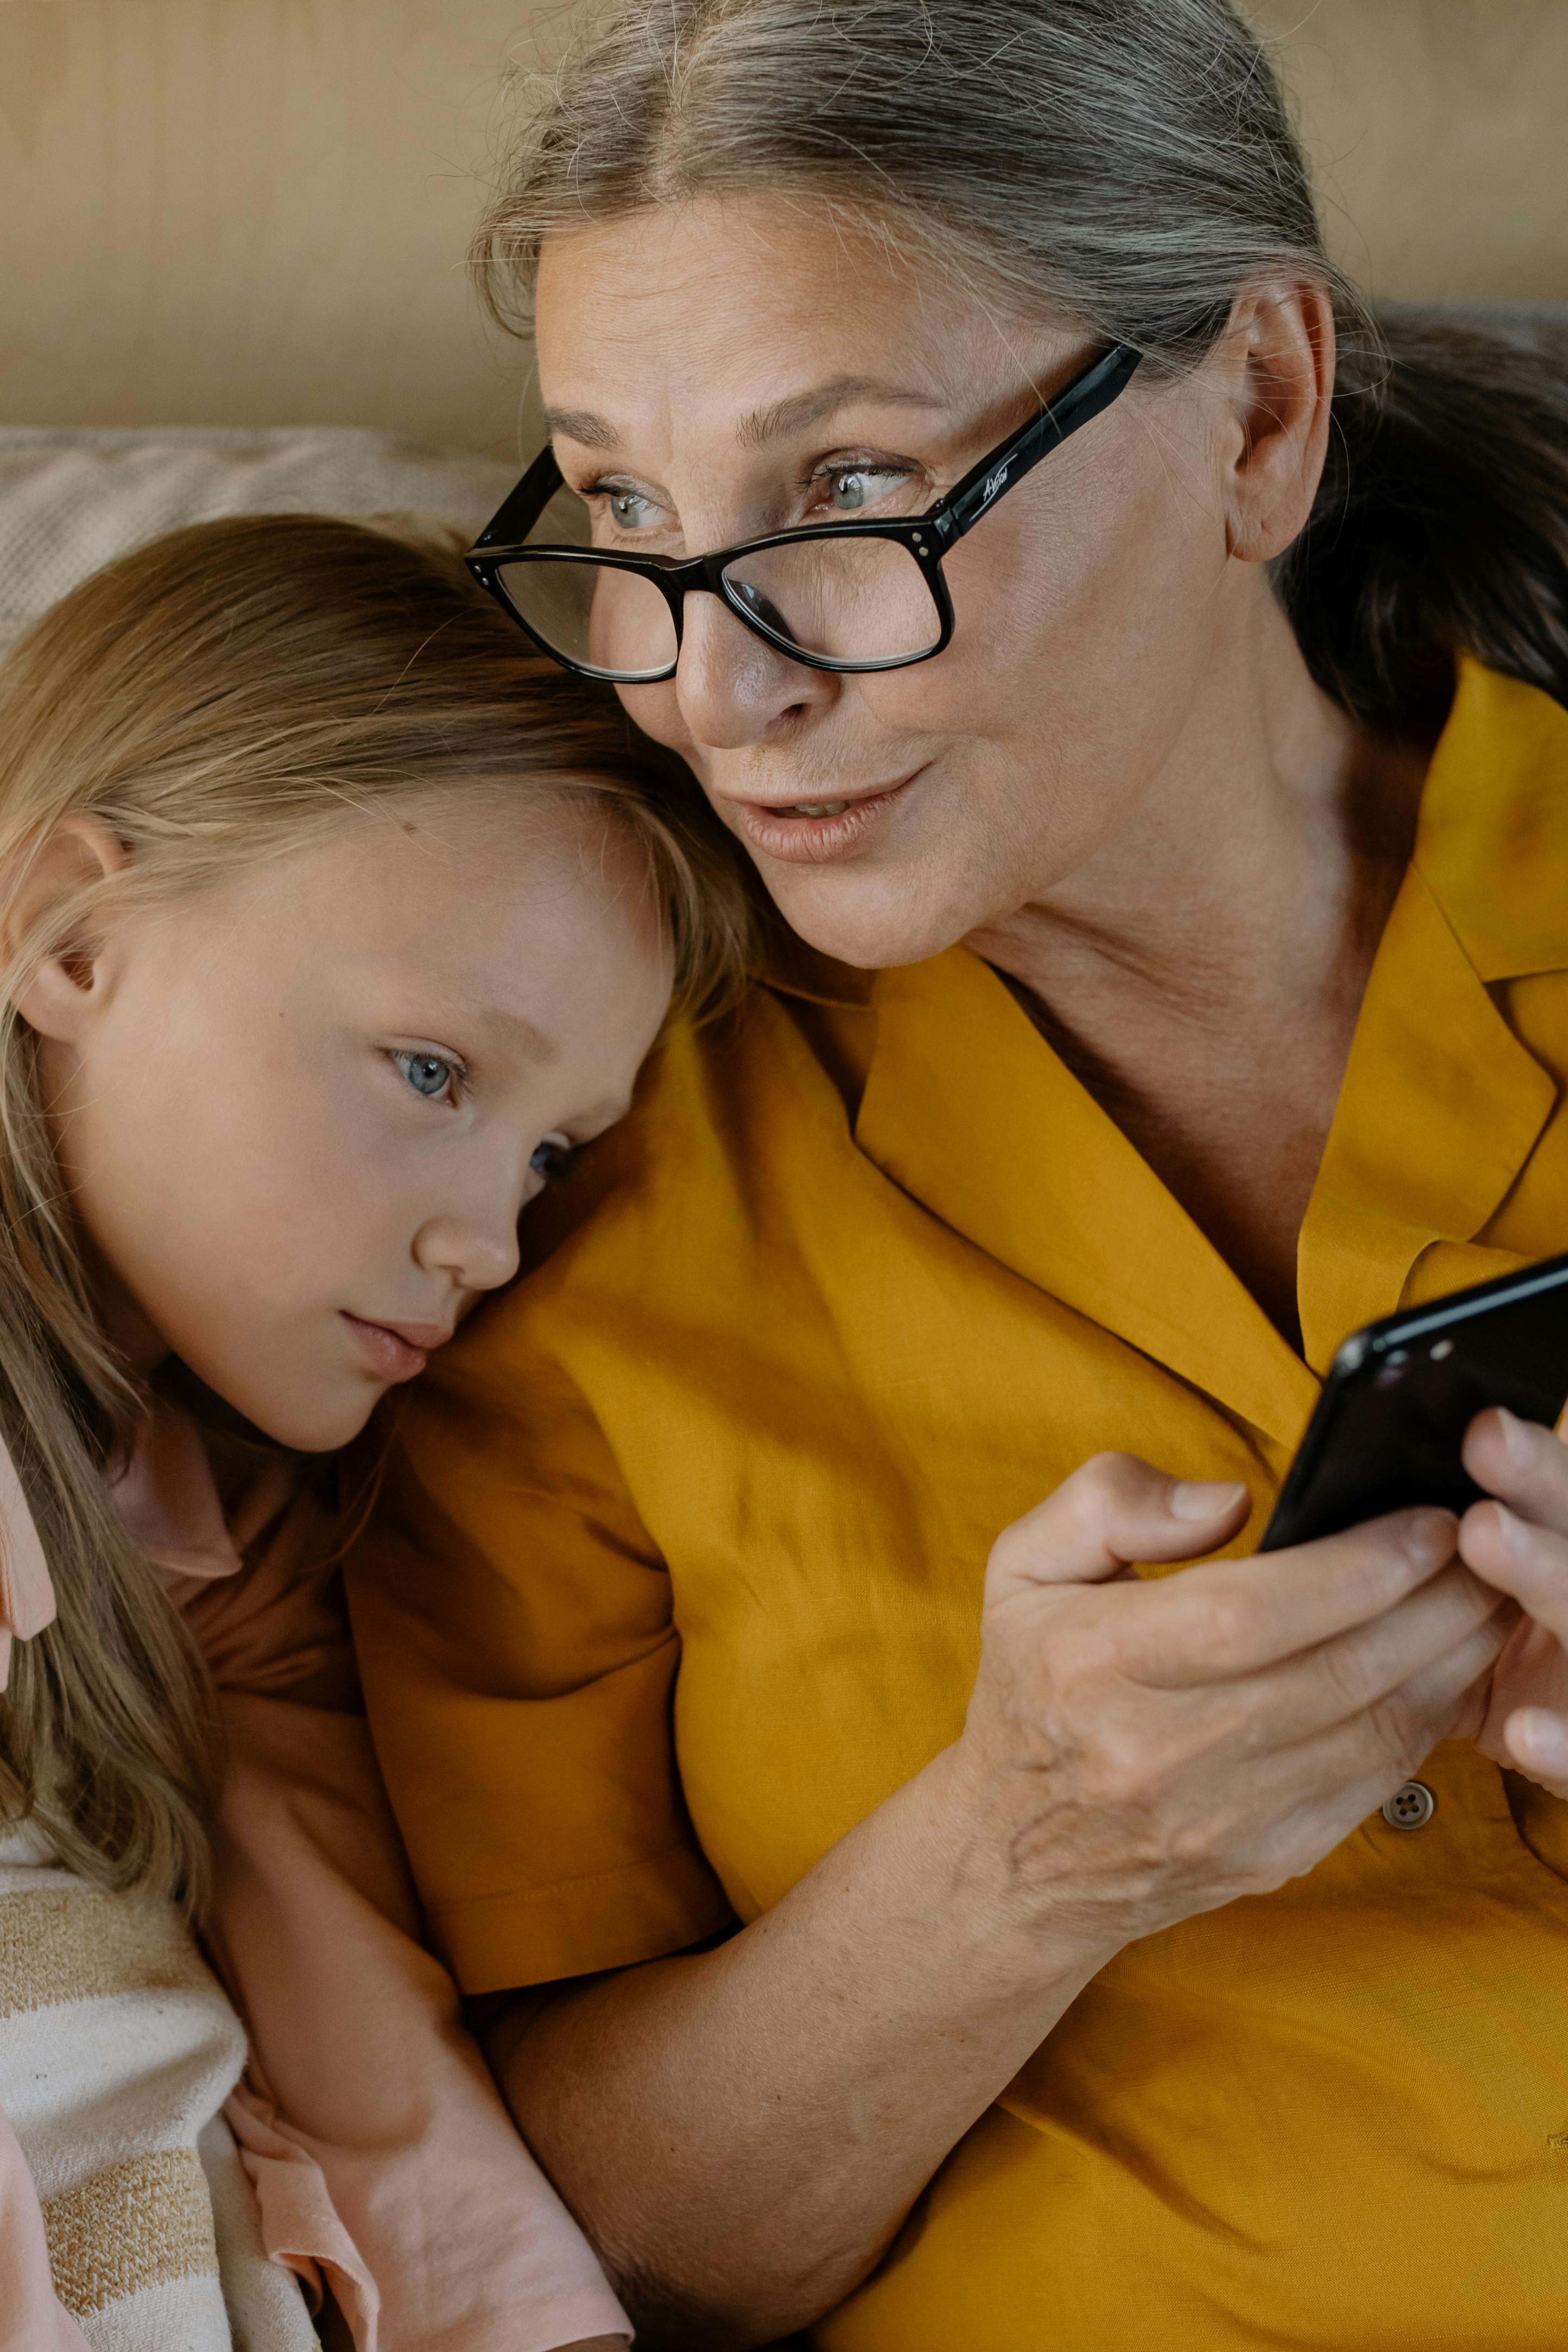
(732, 687)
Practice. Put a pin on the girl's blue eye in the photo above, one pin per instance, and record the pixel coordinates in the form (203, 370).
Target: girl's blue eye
(551, 1159)
(428, 1073)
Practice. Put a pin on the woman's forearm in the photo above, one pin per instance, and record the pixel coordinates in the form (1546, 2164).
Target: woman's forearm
(743, 2131)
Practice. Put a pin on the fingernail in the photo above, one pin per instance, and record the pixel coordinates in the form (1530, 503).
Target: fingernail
(1516, 1533)
(1539, 1740)
(1204, 1498)
(1429, 1537)
(1518, 1443)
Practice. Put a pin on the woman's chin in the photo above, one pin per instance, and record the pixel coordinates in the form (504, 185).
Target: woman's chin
(873, 921)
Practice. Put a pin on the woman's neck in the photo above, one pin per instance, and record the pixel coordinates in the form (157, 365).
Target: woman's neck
(1203, 974)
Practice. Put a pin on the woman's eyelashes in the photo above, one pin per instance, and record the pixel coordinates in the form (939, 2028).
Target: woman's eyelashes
(435, 1077)
(830, 488)
(628, 509)
(849, 488)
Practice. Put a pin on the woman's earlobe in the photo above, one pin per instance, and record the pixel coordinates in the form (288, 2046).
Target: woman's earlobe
(1285, 397)
(45, 877)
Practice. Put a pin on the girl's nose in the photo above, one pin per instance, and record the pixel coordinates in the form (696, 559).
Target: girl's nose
(476, 1256)
(734, 689)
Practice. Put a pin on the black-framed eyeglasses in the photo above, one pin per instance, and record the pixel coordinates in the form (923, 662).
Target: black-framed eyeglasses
(846, 596)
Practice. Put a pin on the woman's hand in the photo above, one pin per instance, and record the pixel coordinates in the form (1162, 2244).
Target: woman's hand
(1520, 1545)
(1144, 1750)
(743, 2130)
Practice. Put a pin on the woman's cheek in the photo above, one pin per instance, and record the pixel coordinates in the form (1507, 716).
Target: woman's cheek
(657, 710)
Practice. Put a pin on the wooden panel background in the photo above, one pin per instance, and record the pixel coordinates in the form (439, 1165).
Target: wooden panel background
(254, 211)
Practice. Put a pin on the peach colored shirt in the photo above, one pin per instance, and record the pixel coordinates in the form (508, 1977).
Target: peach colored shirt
(384, 2165)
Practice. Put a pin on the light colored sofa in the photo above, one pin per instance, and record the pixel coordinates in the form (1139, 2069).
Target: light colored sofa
(73, 500)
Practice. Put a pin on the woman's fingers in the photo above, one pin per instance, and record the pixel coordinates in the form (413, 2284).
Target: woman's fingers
(1232, 1618)
(1537, 1740)
(1114, 1509)
(1528, 1562)
(1428, 1649)
(1525, 1465)
(1314, 1793)
(1519, 1542)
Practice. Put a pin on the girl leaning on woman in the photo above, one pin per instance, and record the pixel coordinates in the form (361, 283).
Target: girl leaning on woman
(1157, 748)
(332, 928)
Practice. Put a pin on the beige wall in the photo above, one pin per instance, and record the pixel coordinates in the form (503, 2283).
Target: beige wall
(254, 211)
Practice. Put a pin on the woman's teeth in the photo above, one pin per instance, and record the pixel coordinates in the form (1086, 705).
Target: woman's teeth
(819, 808)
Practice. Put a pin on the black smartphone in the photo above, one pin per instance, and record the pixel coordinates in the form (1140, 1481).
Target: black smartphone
(1401, 1394)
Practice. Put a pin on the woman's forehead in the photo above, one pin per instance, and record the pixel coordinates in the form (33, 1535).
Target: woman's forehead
(763, 313)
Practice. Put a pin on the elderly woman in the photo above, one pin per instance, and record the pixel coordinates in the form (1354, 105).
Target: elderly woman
(1152, 758)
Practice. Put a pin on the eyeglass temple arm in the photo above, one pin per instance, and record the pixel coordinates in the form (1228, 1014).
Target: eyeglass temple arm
(1081, 402)
(511, 523)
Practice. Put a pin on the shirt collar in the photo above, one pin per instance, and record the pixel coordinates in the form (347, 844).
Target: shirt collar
(969, 1110)
(1493, 840)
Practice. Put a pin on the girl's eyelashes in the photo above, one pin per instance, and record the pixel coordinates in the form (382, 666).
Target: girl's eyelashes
(553, 1159)
(433, 1076)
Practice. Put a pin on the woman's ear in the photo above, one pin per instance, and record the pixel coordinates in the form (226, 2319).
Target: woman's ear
(1277, 360)
(61, 993)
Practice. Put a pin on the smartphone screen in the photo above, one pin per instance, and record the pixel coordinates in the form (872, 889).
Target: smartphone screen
(1401, 1394)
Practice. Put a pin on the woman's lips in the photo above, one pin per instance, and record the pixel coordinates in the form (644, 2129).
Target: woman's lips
(817, 828)
(396, 1351)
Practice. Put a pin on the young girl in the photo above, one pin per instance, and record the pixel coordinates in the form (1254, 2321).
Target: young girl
(332, 928)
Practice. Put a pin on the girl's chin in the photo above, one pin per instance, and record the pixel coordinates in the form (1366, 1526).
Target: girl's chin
(319, 1426)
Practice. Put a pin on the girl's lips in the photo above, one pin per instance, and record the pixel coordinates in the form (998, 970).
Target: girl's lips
(777, 832)
(395, 1351)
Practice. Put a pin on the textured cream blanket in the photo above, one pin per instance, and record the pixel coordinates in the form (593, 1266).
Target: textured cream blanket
(118, 2049)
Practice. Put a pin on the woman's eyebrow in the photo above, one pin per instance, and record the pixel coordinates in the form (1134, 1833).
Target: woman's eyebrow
(800, 409)
(794, 414)
(580, 425)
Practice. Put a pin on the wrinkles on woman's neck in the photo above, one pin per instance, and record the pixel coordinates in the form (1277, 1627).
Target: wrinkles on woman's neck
(1203, 974)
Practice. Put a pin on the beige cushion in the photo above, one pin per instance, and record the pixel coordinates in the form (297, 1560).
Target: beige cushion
(73, 500)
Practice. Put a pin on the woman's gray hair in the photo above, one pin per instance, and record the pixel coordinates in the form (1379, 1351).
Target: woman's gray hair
(1127, 166)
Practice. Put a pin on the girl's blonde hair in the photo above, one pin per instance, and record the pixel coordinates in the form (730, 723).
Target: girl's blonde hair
(230, 693)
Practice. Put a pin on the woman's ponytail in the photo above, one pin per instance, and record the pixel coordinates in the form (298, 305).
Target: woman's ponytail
(1441, 522)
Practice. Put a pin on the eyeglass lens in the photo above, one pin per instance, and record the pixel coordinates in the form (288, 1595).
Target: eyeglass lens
(851, 600)
(861, 600)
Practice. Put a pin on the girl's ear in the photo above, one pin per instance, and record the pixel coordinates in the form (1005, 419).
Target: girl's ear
(62, 993)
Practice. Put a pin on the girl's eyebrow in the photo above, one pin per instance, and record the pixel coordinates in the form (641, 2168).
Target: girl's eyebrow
(793, 414)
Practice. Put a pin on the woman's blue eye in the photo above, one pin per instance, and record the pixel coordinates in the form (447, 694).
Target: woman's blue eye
(551, 1159)
(849, 491)
(428, 1073)
(630, 508)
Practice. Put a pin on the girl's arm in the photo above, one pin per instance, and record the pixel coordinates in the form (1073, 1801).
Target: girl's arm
(361, 2061)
